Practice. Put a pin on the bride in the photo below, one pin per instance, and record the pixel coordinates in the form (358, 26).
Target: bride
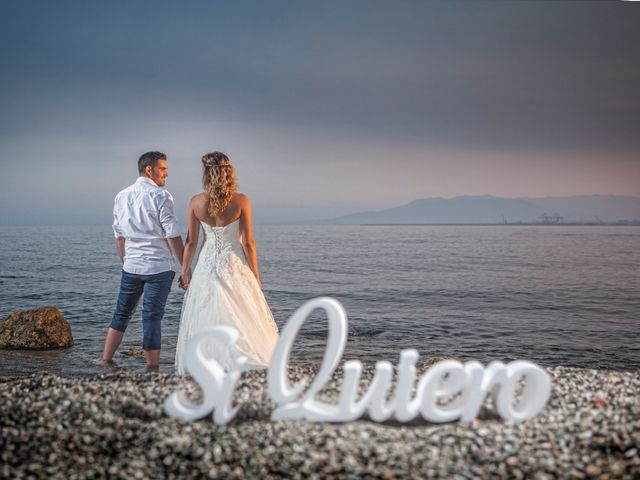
(224, 288)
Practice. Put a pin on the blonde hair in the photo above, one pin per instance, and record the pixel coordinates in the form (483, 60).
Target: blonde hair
(219, 181)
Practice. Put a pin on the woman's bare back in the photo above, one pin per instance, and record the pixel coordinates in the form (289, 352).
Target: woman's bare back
(229, 215)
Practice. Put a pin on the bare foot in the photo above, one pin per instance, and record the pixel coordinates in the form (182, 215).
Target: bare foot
(153, 368)
(110, 365)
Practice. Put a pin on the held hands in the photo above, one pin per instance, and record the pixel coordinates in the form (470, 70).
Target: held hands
(185, 278)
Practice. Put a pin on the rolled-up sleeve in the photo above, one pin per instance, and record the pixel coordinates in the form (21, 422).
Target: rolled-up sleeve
(117, 229)
(166, 216)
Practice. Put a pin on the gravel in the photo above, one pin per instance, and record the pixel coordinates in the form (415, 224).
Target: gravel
(113, 425)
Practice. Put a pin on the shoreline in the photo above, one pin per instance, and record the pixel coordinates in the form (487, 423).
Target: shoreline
(123, 362)
(113, 425)
(503, 224)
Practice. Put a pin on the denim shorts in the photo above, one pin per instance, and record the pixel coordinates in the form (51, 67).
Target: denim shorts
(156, 289)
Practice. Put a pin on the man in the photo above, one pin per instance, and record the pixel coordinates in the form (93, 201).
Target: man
(147, 238)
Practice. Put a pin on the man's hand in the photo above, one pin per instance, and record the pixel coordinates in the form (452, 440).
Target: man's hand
(120, 246)
(185, 278)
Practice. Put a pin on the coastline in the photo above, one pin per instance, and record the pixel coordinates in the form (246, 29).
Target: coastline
(112, 425)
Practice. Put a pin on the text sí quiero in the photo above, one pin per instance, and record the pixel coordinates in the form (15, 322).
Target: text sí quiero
(469, 383)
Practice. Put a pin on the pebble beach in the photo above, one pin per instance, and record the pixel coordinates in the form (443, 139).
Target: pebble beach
(112, 425)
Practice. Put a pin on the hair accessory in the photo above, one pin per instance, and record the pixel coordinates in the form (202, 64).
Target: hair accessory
(213, 160)
(209, 163)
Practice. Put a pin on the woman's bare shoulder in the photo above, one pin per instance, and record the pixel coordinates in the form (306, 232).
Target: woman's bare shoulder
(198, 203)
(241, 198)
(198, 198)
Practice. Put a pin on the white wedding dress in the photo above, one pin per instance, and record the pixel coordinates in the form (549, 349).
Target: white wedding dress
(224, 291)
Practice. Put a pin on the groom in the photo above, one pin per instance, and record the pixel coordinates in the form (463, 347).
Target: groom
(147, 238)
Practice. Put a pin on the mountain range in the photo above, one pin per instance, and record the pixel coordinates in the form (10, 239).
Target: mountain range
(487, 209)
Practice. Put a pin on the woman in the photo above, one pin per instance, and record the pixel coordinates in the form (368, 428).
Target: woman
(225, 287)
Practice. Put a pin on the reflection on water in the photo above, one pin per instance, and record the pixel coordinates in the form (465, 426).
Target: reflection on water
(53, 361)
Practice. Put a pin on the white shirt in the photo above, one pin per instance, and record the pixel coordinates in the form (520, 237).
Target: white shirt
(143, 215)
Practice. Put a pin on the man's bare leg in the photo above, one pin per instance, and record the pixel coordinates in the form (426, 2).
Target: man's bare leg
(153, 359)
(111, 344)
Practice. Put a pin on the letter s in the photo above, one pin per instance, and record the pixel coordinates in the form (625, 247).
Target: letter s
(217, 385)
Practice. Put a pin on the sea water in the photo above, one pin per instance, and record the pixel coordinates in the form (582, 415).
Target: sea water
(555, 295)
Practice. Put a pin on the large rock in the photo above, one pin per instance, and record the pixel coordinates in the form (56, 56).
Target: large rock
(37, 329)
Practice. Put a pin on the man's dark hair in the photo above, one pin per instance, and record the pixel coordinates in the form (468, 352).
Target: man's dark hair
(149, 159)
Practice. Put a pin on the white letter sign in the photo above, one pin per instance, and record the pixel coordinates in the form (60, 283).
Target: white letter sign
(471, 382)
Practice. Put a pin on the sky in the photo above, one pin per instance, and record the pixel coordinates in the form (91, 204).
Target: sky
(325, 108)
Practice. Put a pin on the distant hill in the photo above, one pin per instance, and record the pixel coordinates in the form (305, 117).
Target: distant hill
(488, 209)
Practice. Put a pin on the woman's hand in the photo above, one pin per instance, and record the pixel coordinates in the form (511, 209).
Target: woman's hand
(185, 278)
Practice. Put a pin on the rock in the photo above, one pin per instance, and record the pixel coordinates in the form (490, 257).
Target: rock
(632, 452)
(600, 401)
(133, 352)
(593, 470)
(575, 473)
(37, 329)
(429, 362)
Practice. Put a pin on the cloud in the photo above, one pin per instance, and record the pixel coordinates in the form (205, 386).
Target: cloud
(302, 88)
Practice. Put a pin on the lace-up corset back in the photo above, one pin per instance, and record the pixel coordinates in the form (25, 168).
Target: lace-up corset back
(223, 239)
(221, 247)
